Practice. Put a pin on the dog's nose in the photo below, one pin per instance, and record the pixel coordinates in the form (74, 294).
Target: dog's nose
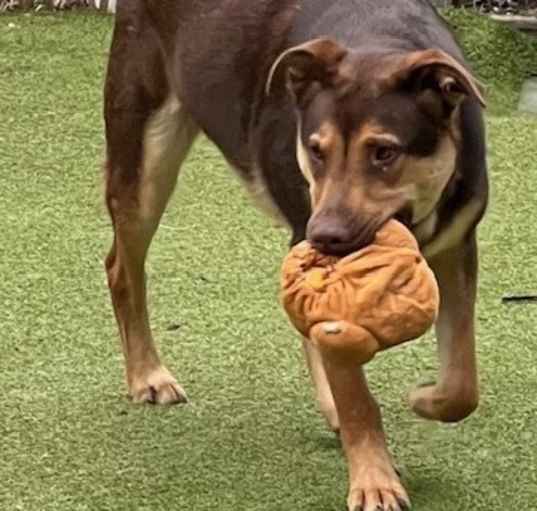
(331, 237)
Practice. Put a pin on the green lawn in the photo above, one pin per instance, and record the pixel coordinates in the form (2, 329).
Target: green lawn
(251, 438)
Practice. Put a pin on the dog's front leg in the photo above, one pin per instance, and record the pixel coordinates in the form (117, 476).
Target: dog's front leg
(374, 484)
(455, 395)
(323, 392)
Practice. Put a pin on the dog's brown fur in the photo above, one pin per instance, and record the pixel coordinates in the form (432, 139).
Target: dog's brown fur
(339, 115)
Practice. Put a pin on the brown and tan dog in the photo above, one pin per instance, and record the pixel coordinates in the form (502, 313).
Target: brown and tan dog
(339, 115)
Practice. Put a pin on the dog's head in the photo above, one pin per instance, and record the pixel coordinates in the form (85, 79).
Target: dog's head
(377, 136)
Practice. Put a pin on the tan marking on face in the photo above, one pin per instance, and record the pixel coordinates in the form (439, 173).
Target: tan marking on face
(303, 159)
(366, 192)
(428, 178)
(343, 175)
(331, 144)
(418, 181)
(371, 131)
(421, 180)
(376, 199)
(425, 230)
(326, 136)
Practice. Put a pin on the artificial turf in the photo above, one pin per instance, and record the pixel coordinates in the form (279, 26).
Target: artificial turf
(251, 438)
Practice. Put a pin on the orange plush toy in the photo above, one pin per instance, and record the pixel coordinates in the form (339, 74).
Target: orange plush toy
(378, 297)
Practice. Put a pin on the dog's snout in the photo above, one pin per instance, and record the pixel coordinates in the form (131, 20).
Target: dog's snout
(328, 236)
(340, 233)
(333, 235)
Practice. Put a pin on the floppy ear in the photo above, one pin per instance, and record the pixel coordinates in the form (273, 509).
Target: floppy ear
(299, 67)
(436, 71)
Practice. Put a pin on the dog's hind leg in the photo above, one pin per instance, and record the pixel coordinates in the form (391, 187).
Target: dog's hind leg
(148, 136)
(456, 393)
(139, 183)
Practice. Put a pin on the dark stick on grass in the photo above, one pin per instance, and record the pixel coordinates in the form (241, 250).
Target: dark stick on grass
(519, 299)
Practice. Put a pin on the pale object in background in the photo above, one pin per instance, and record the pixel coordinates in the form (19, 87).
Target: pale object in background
(528, 97)
(109, 5)
(37, 5)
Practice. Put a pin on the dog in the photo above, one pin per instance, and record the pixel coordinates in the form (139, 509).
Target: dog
(337, 115)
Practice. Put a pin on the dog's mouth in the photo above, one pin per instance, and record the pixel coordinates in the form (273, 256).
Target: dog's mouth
(368, 233)
(337, 237)
(404, 215)
(347, 242)
(344, 249)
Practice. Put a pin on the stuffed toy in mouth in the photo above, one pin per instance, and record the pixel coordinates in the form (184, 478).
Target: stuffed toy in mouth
(378, 297)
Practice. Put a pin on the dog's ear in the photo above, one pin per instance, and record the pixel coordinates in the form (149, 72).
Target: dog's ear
(435, 74)
(298, 68)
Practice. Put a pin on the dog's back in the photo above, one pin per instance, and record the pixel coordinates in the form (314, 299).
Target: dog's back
(219, 54)
(223, 50)
(405, 24)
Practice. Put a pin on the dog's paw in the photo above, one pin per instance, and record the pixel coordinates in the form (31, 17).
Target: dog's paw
(156, 386)
(430, 402)
(377, 488)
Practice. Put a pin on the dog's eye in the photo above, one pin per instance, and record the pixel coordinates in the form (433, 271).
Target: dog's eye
(316, 150)
(385, 155)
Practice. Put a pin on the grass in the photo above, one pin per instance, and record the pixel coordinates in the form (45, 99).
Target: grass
(502, 58)
(251, 439)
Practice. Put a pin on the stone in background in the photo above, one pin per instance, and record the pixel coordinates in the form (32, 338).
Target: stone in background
(109, 5)
(528, 97)
(11, 5)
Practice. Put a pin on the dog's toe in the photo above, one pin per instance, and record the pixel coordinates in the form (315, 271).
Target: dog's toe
(378, 489)
(157, 386)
